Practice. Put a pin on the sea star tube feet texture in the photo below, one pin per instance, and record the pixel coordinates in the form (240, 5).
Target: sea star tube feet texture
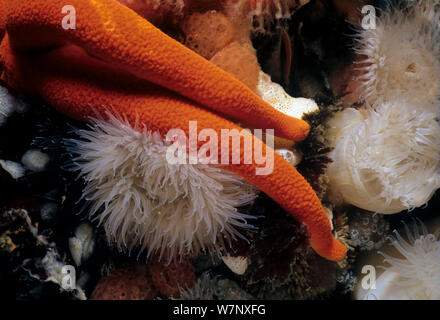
(79, 85)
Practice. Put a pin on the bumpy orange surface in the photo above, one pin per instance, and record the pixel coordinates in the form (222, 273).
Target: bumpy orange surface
(132, 59)
(110, 31)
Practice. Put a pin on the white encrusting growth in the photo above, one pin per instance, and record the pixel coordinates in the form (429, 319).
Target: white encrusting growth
(275, 95)
(144, 202)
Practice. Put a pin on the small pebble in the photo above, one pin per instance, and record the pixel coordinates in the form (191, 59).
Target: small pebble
(238, 265)
(35, 160)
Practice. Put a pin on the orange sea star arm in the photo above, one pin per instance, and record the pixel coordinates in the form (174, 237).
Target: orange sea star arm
(65, 87)
(114, 33)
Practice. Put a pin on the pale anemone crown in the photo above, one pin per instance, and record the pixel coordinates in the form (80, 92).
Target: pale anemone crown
(418, 268)
(144, 202)
(384, 160)
(400, 58)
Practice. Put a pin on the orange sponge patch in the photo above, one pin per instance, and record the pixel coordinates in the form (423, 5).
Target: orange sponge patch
(207, 33)
(240, 62)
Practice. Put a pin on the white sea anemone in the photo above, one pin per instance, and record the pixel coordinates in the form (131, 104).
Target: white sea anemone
(384, 160)
(427, 9)
(413, 271)
(400, 58)
(143, 201)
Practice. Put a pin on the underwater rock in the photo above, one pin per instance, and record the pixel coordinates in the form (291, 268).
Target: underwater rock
(210, 287)
(204, 262)
(54, 267)
(48, 211)
(35, 260)
(204, 289)
(298, 272)
(230, 290)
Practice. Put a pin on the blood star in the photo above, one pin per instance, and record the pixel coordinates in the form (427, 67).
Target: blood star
(116, 58)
